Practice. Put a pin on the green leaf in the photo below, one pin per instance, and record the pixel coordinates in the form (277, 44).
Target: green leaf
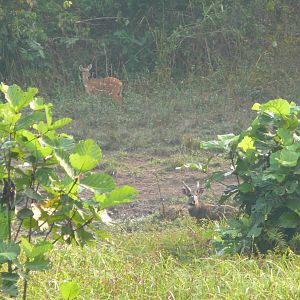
(100, 182)
(9, 283)
(24, 213)
(289, 219)
(286, 136)
(294, 204)
(246, 187)
(8, 251)
(64, 142)
(4, 226)
(41, 248)
(44, 175)
(26, 247)
(247, 143)
(30, 193)
(28, 120)
(122, 195)
(221, 144)
(85, 156)
(48, 112)
(278, 107)
(18, 98)
(60, 123)
(256, 106)
(69, 290)
(288, 158)
(39, 263)
(63, 159)
(38, 103)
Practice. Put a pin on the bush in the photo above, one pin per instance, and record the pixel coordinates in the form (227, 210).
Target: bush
(51, 192)
(265, 161)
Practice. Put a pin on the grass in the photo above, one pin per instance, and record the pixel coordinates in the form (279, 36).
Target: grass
(160, 118)
(167, 261)
(164, 116)
(172, 260)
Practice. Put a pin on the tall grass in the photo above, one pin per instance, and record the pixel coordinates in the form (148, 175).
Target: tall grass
(165, 116)
(173, 261)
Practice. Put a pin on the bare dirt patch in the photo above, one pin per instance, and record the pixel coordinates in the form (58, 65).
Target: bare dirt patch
(156, 183)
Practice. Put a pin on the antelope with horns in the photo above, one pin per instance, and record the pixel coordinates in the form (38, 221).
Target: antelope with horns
(199, 210)
(109, 85)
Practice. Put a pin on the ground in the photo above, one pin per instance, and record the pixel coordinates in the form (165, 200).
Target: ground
(159, 184)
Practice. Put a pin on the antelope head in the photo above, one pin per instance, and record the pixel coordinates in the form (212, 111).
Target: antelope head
(193, 198)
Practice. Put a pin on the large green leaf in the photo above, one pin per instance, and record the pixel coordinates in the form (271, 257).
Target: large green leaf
(39, 263)
(31, 143)
(60, 123)
(288, 158)
(28, 120)
(100, 182)
(122, 195)
(58, 141)
(8, 251)
(289, 219)
(41, 248)
(63, 159)
(247, 143)
(277, 106)
(18, 98)
(8, 283)
(24, 213)
(285, 136)
(294, 204)
(85, 156)
(221, 144)
(69, 290)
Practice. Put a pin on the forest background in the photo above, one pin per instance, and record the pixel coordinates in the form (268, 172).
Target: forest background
(191, 55)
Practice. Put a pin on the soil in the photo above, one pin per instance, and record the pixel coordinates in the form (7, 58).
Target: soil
(159, 186)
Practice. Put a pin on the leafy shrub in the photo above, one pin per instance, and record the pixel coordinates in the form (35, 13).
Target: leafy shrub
(265, 161)
(51, 192)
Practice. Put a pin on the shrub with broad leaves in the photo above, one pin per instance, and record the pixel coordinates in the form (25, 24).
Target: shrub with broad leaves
(265, 162)
(51, 191)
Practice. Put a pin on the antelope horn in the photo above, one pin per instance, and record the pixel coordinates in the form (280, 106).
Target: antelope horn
(186, 190)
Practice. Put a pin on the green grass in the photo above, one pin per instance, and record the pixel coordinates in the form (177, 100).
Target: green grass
(160, 118)
(164, 116)
(174, 260)
(167, 261)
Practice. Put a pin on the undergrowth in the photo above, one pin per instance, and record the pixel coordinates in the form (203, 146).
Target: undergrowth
(169, 261)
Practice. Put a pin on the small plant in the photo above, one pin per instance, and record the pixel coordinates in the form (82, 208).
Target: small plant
(50, 190)
(265, 161)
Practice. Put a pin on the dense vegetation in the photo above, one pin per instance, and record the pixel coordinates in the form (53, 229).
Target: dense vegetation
(174, 38)
(265, 160)
(191, 70)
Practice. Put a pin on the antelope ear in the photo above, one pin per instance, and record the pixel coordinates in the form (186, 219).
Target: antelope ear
(200, 190)
(89, 66)
(186, 189)
(80, 68)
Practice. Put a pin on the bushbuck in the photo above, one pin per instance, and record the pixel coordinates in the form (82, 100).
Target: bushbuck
(200, 210)
(109, 85)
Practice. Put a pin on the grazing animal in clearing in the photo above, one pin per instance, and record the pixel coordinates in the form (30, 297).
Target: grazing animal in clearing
(199, 210)
(109, 85)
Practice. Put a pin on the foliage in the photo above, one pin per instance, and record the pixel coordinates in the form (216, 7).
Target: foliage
(51, 192)
(173, 37)
(170, 260)
(265, 161)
